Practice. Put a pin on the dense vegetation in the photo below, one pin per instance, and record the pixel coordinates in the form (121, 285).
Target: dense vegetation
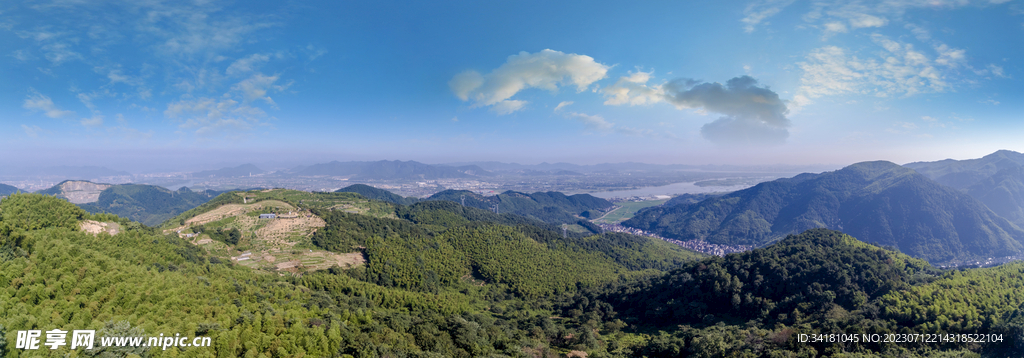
(138, 282)
(432, 244)
(147, 204)
(819, 282)
(878, 202)
(447, 281)
(549, 207)
(228, 236)
(372, 193)
(809, 273)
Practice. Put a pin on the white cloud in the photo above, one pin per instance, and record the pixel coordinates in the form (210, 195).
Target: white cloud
(95, 121)
(997, 70)
(507, 106)
(464, 83)
(196, 30)
(22, 55)
(858, 14)
(900, 71)
(314, 52)
(56, 50)
(86, 99)
(593, 122)
(859, 21)
(835, 27)
(758, 11)
(547, 69)
(116, 75)
(38, 102)
(256, 86)
(212, 116)
(562, 104)
(633, 90)
(950, 57)
(928, 119)
(919, 32)
(246, 64)
(59, 53)
(194, 47)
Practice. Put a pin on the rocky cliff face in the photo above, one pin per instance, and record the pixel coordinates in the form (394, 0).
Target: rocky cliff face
(82, 192)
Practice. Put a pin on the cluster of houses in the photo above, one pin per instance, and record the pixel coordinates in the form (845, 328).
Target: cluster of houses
(695, 245)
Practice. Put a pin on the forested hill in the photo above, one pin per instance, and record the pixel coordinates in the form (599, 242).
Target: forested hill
(997, 180)
(878, 202)
(372, 193)
(501, 303)
(6, 190)
(822, 282)
(147, 204)
(811, 272)
(432, 244)
(551, 207)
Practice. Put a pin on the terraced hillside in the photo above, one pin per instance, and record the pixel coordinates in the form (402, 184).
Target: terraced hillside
(230, 227)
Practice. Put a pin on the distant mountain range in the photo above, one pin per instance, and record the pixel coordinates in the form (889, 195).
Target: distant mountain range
(239, 171)
(997, 180)
(878, 202)
(148, 204)
(549, 207)
(390, 170)
(6, 190)
(569, 168)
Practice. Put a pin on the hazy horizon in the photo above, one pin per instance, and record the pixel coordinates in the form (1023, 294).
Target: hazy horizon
(154, 86)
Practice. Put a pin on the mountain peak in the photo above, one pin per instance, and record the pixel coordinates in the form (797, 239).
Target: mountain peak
(874, 169)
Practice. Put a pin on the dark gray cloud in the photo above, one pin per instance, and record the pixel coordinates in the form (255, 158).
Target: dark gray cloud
(752, 114)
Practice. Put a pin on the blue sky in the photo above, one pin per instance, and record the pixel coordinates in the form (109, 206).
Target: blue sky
(165, 85)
